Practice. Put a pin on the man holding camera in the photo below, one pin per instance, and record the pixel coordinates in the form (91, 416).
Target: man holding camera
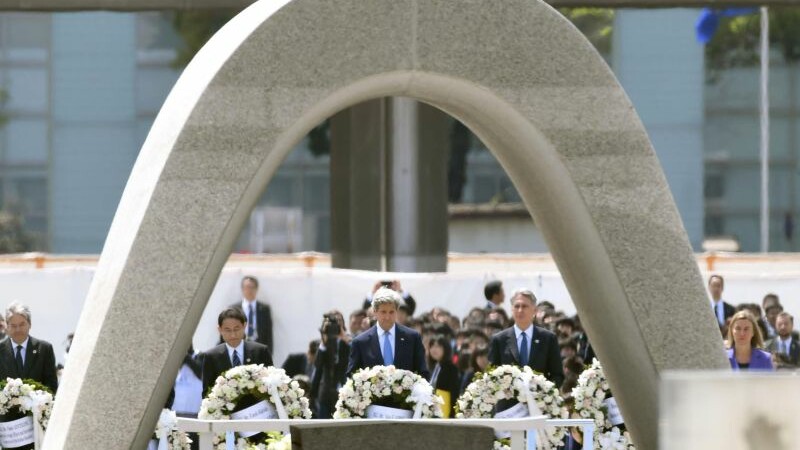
(330, 363)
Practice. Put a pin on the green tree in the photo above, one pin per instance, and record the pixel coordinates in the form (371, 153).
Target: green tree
(13, 237)
(736, 42)
(597, 24)
(195, 29)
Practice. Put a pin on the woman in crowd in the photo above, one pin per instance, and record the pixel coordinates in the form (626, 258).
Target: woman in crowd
(478, 362)
(745, 341)
(444, 374)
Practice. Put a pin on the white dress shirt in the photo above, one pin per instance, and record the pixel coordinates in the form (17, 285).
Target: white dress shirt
(784, 346)
(719, 311)
(246, 309)
(529, 333)
(24, 348)
(392, 337)
(239, 351)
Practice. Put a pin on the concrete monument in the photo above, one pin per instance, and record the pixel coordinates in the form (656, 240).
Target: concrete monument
(516, 72)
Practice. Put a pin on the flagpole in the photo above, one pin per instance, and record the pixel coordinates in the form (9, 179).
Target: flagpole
(764, 114)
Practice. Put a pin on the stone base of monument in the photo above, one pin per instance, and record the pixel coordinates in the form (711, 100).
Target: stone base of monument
(730, 410)
(330, 436)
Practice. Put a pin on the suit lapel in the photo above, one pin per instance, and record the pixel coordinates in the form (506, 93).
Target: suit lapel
(247, 358)
(512, 343)
(375, 346)
(8, 349)
(399, 345)
(226, 359)
(30, 353)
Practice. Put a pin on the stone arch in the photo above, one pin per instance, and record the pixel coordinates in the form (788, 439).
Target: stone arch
(516, 72)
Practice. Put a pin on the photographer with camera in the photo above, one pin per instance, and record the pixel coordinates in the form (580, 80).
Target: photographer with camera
(330, 363)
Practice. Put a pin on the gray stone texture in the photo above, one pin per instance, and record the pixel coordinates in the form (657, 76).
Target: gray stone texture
(317, 436)
(516, 72)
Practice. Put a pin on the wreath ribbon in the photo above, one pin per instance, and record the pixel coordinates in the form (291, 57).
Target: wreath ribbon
(533, 408)
(421, 395)
(273, 381)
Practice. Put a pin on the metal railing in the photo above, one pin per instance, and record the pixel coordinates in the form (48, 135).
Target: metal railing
(519, 428)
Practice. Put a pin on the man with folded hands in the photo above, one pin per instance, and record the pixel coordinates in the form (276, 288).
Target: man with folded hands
(388, 342)
(235, 351)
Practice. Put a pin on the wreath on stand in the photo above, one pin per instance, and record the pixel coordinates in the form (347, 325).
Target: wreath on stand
(25, 405)
(387, 392)
(253, 392)
(534, 394)
(593, 400)
(167, 435)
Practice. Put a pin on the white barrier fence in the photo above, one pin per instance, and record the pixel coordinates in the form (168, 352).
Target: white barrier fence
(522, 429)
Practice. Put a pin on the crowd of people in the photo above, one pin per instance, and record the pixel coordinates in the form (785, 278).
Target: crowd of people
(387, 329)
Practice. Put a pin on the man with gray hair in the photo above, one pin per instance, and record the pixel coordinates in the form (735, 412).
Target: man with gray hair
(525, 344)
(388, 342)
(24, 356)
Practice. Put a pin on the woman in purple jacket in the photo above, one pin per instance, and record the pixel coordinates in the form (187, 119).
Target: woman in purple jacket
(745, 340)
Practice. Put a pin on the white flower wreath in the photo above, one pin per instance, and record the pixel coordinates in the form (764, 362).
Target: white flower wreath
(167, 434)
(28, 398)
(268, 384)
(513, 383)
(592, 401)
(400, 388)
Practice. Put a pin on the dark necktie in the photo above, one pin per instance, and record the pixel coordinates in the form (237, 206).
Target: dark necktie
(523, 350)
(19, 360)
(250, 328)
(236, 361)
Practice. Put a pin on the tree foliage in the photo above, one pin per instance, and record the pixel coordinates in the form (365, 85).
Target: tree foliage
(736, 42)
(597, 24)
(195, 29)
(13, 237)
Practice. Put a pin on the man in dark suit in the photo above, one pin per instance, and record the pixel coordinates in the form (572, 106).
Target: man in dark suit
(525, 344)
(722, 309)
(258, 314)
(493, 291)
(235, 351)
(302, 363)
(388, 342)
(785, 342)
(24, 356)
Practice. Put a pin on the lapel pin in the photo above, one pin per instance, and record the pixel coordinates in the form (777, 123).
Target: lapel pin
(402, 339)
(34, 352)
(536, 341)
(248, 359)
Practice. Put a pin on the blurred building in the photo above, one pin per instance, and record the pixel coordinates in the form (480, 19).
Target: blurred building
(84, 88)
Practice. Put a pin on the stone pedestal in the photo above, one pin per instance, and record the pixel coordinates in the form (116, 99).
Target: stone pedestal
(315, 436)
(730, 410)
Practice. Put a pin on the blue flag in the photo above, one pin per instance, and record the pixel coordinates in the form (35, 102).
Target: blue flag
(708, 22)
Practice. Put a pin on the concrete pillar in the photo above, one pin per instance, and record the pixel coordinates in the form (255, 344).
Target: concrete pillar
(417, 216)
(397, 222)
(358, 143)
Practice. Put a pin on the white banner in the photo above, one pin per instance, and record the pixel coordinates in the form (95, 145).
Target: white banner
(56, 294)
(261, 410)
(16, 433)
(383, 412)
(515, 412)
(614, 416)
